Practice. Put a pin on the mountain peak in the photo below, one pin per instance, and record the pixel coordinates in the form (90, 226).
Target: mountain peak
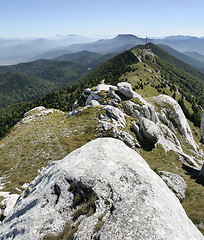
(126, 36)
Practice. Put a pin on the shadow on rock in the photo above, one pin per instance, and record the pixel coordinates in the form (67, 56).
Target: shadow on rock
(194, 173)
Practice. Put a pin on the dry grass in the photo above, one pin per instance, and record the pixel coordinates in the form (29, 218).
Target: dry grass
(30, 146)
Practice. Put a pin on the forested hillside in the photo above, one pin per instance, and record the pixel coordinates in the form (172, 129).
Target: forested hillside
(29, 81)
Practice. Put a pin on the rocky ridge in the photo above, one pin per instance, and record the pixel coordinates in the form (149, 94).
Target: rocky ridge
(157, 120)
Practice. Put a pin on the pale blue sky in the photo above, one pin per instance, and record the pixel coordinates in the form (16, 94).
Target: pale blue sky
(102, 18)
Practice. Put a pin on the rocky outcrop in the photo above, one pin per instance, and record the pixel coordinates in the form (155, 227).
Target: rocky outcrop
(174, 112)
(176, 183)
(38, 112)
(110, 130)
(126, 199)
(7, 203)
(158, 118)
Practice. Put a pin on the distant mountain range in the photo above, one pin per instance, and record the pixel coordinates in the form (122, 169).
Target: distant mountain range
(13, 51)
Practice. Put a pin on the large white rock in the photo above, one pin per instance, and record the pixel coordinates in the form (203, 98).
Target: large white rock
(126, 89)
(8, 204)
(174, 112)
(150, 130)
(132, 200)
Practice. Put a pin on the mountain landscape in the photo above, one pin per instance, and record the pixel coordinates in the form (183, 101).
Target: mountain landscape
(13, 51)
(104, 141)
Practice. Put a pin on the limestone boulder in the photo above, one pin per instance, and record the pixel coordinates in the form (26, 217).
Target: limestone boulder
(126, 89)
(175, 114)
(92, 96)
(94, 103)
(150, 130)
(129, 200)
(8, 204)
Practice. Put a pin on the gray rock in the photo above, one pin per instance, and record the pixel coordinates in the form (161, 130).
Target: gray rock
(71, 114)
(100, 116)
(163, 118)
(8, 204)
(187, 160)
(116, 114)
(131, 201)
(75, 105)
(150, 130)
(146, 110)
(105, 87)
(126, 89)
(93, 96)
(176, 183)
(87, 91)
(131, 109)
(113, 95)
(111, 130)
(94, 103)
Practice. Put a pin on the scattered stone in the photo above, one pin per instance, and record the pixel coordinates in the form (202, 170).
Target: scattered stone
(176, 183)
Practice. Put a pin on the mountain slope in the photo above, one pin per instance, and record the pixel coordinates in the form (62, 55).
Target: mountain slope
(18, 87)
(79, 56)
(195, 55)
(183, 57)
(28, 68)
(37, 78)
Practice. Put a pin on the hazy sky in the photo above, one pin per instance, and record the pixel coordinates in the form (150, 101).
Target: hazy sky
(101, 18)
